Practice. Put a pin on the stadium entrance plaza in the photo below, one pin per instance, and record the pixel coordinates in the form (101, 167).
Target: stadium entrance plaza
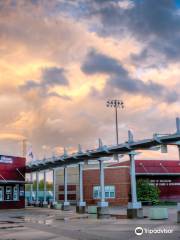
(40, 223)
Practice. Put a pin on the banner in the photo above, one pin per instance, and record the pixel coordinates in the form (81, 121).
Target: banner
(4, 159)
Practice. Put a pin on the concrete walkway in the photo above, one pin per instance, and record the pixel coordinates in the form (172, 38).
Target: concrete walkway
(41, 224)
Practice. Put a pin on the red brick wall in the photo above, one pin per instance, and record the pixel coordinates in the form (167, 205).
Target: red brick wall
(71, 195)
(118, 177)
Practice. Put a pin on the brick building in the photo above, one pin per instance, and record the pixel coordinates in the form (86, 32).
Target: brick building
(164, 174)
(73, 182)
(12, 172)
(117, 185)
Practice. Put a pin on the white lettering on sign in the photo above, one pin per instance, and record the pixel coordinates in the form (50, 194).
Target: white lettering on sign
(4, 159)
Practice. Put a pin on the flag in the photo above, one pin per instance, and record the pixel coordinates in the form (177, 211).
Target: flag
(30, 155)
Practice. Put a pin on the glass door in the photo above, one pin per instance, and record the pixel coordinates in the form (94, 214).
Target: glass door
(8, 193)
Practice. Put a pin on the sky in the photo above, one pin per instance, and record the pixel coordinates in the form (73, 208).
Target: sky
(62, 60)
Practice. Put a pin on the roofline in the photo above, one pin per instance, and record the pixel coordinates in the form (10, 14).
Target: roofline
(157, 174)
(175, 160)
(12, 156)
(11, 181)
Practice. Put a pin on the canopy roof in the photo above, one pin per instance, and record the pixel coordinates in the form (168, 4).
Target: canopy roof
(102, 151)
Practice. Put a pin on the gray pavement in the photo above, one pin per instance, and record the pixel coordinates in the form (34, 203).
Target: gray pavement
(41, 224)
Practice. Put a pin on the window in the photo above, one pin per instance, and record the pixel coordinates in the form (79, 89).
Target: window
(8, 193)
(109, 192)
(16, 193)
(96, 192)
(1, 193)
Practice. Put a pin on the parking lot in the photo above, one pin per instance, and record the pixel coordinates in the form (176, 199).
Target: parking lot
(38, 223)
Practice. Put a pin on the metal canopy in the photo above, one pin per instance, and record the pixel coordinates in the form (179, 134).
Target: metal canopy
(103, 151)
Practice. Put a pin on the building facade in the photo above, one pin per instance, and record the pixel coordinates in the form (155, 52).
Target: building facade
(12, 181)
(117, 185)
(164, 174)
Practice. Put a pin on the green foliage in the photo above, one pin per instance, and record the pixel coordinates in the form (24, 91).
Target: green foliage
(147, 192)
(49, 186)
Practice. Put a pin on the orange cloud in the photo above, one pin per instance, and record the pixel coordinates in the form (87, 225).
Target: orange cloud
(32, 40)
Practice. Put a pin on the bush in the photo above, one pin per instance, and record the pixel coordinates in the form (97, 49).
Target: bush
(146, 192)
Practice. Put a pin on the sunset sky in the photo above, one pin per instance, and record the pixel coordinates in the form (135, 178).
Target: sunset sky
(61, 60)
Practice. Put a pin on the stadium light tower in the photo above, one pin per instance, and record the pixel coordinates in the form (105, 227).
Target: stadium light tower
(116, 104)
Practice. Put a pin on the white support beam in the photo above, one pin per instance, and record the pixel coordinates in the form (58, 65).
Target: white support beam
(134, 204)
(81, 203)
(45, 189)
(102, 203)
(37, 188)
(66, 203)
(133, 179)
(54, 186)
(31, 188)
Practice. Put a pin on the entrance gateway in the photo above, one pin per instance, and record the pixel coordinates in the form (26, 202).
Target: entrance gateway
(129, 147)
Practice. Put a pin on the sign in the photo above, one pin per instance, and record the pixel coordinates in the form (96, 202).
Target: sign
(164, 182)
(4, 159)
(21, 192)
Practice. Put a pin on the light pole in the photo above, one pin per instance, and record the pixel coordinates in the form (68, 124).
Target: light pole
(116, 104)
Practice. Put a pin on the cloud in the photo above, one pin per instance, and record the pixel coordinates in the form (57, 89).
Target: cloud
(38, 31)
(54, 76)
(154, 24)
(39, 40)
(54, 94)
(99, 63)
(119, 77)
(29, 85)
(50, 77)
(11, 136)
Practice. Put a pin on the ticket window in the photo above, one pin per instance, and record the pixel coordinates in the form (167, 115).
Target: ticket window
(1, 193)
(8, 193)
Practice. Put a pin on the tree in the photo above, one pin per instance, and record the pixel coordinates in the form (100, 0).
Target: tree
(147, 192)
(49, 186)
